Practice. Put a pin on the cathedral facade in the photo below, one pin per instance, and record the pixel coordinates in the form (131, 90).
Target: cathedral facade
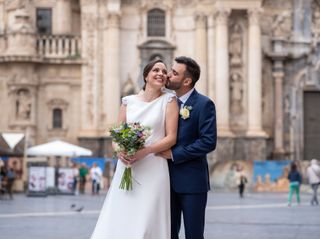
(65, 64)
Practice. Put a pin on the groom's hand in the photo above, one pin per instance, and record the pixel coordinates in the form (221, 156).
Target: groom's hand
(166, 154)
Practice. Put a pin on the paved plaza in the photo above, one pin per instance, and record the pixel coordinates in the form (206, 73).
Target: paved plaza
(258, 215)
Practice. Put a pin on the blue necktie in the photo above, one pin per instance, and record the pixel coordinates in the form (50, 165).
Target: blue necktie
(179, 102)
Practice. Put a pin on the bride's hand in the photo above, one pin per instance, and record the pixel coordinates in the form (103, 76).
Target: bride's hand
(124, 158)
(139, 155)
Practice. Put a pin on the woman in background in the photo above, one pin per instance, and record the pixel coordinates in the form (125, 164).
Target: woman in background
(295, 181)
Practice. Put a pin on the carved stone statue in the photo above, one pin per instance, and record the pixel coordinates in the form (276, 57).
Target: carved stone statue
(236, 86)
(236, 45)
(23, 105)
(315, 28)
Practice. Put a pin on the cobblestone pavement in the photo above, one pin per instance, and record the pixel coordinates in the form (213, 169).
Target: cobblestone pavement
(258, 215)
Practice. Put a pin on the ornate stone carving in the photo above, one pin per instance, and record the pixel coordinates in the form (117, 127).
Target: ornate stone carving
(236, 45)
(281, 25)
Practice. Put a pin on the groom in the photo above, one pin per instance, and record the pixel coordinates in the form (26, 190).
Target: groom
(188, 167)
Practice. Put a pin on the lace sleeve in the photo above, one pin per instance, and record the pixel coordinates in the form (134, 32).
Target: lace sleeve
(170, 97)
(124, 100)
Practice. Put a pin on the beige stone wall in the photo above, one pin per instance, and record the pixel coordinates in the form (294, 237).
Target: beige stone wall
(62, 82)
(219, 34)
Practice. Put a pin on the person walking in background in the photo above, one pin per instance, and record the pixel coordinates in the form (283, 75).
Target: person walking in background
(313, 174)
(75, 171)
(295, 180)
(241, 181)
(96, 177)
(10, 175)
(83, 172)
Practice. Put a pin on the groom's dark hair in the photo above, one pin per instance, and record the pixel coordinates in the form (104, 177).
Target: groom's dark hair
(148, 68)
(192, 68)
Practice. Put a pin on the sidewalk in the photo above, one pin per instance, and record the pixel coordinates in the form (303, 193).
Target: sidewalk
(258, 215)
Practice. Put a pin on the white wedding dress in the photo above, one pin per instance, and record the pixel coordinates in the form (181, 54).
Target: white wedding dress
(143, 212)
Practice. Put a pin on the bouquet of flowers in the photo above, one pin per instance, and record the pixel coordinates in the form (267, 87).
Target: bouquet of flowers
(129, 138)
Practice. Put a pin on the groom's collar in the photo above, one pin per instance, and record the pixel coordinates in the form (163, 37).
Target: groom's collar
(186, 96)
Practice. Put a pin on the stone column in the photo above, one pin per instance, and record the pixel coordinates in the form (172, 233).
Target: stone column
(254, 76)
(278, 131)
(211, 55)
(222, 72)
(201, 51)
(63, 17)
(112, 68)
(2, 22)
(90, 77)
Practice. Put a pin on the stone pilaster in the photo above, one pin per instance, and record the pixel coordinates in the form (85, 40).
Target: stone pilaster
(201, 51)
(112, 68)
(222, 72)
(254, 76)
(64, 17)
(90, 76)
(211, 57)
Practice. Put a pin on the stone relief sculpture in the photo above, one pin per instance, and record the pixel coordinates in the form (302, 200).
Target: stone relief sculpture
(315, 27)
(236, 45)
(23, 104)
(236, 85)
(281, 25)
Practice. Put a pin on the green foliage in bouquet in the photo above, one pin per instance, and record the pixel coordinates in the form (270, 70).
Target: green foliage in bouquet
(129, 138)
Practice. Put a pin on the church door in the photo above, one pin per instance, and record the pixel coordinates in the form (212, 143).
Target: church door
(311, 125)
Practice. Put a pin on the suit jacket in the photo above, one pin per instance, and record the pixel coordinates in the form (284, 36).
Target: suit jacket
(197, 136)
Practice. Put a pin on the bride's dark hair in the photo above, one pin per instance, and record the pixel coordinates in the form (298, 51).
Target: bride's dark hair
(148, 68)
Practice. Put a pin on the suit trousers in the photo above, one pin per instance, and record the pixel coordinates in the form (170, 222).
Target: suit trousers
(192, 207)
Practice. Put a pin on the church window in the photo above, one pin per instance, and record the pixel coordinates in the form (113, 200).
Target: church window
(57, 118)
(44, 21)
(156, 23)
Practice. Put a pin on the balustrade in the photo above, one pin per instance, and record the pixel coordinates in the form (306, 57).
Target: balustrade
(56, 46)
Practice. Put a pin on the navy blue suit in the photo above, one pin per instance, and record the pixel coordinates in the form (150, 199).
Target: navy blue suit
(189, 174)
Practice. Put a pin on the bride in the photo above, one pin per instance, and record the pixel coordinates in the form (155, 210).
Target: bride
(143, 212)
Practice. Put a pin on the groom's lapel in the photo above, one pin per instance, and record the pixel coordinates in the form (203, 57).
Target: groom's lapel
(191, 100)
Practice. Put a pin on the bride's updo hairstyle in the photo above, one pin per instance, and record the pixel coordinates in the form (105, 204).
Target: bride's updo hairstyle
(148, 68)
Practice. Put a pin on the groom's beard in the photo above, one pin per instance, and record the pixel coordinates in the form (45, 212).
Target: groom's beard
(173, 85)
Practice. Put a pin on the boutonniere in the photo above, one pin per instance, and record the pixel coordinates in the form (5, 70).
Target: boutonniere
(185, 112)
